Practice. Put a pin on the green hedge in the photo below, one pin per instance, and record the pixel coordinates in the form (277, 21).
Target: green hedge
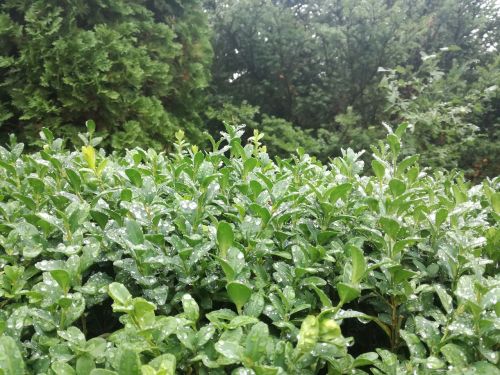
(228, 262)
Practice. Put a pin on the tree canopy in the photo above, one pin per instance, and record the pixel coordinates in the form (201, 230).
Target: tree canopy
(320, 64)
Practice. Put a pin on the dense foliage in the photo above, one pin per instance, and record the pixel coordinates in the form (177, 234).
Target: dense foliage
(135, 67)
(338, 69)
(317, 74)
(226, 261)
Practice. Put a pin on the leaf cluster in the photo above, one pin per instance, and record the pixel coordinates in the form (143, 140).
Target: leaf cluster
(227, 261)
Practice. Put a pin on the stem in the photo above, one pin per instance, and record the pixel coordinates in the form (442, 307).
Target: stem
(84, 325)
(62, 318)
(332, 310)
(394, 325)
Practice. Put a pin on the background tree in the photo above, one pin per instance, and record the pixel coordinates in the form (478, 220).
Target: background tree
(316, 64)
(135, 67)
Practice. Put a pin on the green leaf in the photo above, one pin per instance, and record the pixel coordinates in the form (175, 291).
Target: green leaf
(165, 362)
(9, 168)
(417, 349)
(230, 350)
(220, 315)
(101, 167)
(62, 368)
(445, 298)
(37, 184)
(47, 135)
(11, 360)
(241, 321)
(129, 363)
(239, 293)
(225, 238)
(428, 331)
(460, 196)
(190, 307)
(100, 218)
(255, 305)
(134, 232)
(401, 129)
(228, 270)
(74, 179)
(358, 264)
(144, 312)
(325, 301)
(365, 359)
(397, 187)
(119, 293)
(455, 355)
(249, 165)
(257, 341)
(400, 274)
(198, 160)
(405, 163)
(134, 176)
(260, 211)
(348, 292)
(402, 244)
(96, 346)
(495, 202)
(339, 192)
(434, 363)
(126, 195)
(265, 370)
(441, 216)
(100, 371)
(394, 144)
(90, 125)
(89, 156)
(72, 335)
(205, 334)
(390, 226)
(378, 169)
(84, 364)
(63, 279)
(485, 368)
(30, 203)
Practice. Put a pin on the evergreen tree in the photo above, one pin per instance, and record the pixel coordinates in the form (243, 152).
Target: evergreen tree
(137, 68)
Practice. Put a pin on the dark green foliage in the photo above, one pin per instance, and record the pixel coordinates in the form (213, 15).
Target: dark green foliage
(281, 137)
(316, 74)
(135, 67)
(444, 108)
(226, 261)
(316, 64)
(482, 157)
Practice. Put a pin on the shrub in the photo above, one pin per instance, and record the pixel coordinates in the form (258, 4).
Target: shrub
(453, 120)
(136, 68)
(226, 261)
(281, 137)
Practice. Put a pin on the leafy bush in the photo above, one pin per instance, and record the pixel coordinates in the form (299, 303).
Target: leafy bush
(444, 108)
(228, 262)
(281, 137)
